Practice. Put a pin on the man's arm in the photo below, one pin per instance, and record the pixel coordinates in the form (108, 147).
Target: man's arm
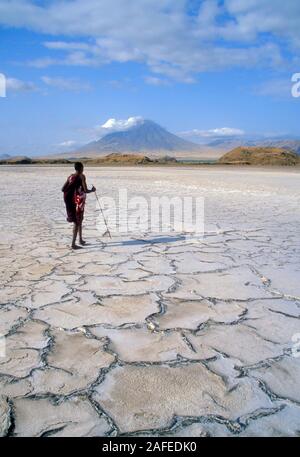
(86, 190)
(65, 186)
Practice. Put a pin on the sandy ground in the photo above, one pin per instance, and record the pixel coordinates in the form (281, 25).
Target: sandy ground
(151, 334)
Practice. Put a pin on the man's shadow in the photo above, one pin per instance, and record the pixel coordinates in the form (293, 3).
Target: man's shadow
(142, 241)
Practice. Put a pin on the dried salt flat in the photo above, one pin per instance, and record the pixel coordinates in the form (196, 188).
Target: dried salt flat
(23, 347)
(260, 308)
(46, 293)
(73, 363)
(278, 275)
(13, 292)
(281, 377)
(157, 264)
(143, 398)
(190, 314)
(35, 272)
(168, 336)
(112, 285)
(87, 311)
(276, 327)
(285, 423)
(130, 271)
(43, 417)
(10, 316)
(238, 283)
(20, 362)
(12, 387)
(194, 262)
(239, 342)
(4, 416)
(140, 345)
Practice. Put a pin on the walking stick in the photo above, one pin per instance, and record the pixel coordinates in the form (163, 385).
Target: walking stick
(107, 229)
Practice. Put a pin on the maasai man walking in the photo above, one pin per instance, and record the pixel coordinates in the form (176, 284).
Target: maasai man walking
(75, 190)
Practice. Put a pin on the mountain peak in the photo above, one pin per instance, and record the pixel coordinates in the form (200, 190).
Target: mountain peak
(139, 135)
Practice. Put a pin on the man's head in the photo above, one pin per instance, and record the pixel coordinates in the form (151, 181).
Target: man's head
(78, 167)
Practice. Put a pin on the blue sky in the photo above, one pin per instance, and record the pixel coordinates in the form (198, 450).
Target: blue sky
(203, 69)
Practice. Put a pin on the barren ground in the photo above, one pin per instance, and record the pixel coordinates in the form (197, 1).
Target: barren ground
(152, 334)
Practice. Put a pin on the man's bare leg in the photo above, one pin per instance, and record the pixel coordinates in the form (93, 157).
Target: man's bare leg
(81, 241)
(75, 231)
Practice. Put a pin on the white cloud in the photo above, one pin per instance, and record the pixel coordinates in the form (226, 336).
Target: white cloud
(63, 46)
(161, 34)
(214, 133)
(254, 17)
(17, 85)
(155, 81)
(66, 84)
(119, 125)
(67, 144)
(44, 62)
(110, 126)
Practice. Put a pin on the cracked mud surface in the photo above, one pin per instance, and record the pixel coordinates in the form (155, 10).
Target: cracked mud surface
(152, 335)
